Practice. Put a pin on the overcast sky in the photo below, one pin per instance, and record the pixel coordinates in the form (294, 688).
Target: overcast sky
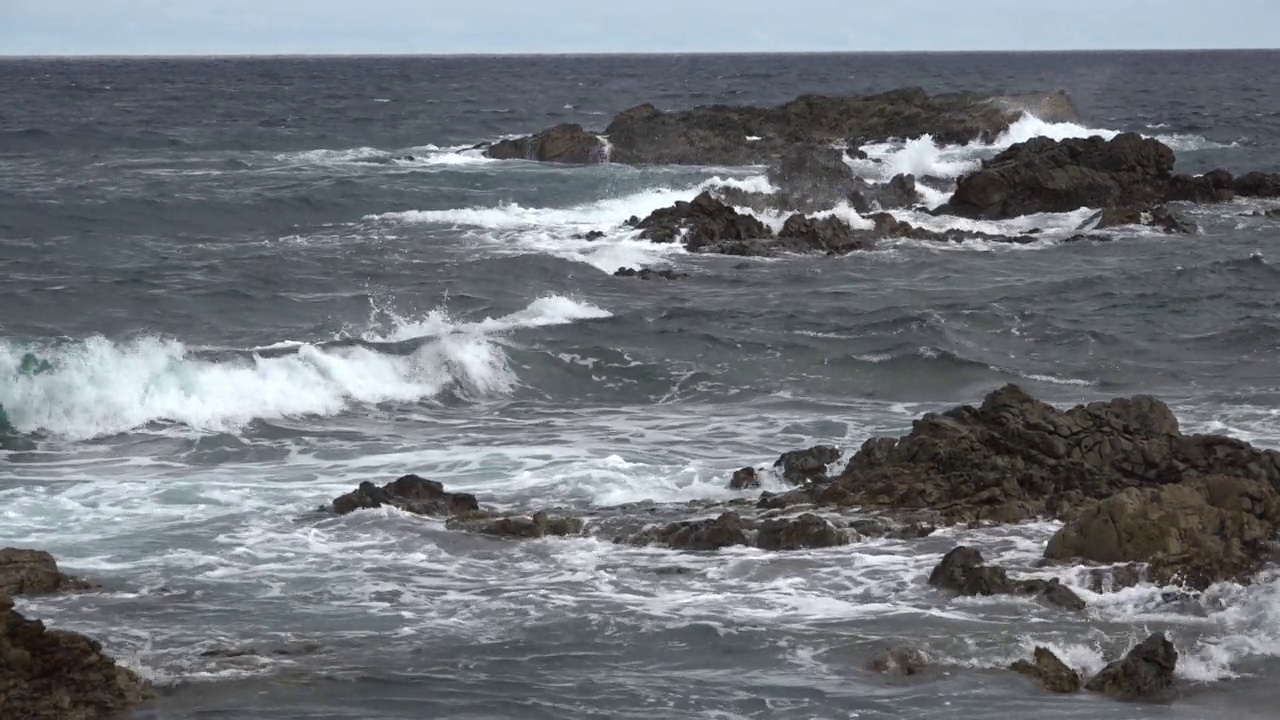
(144, 27)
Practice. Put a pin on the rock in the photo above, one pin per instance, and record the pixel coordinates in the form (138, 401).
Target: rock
(963, 571)
(1113, 579)
(1195, 533)
(744, 479)
(562, 144)
(59, 675)
(590, 235)
(1256, 184)
(900, 192)
(1145, 672)
(409, 493)
(538, 525)
(1160, 217)
(697, 535)
(1055, 675)
(901, 660)
(1044, 175)
(805, 532)
(1015, 458)
(649, 274)
(1053, 592)
(28, 572)
(1212, 187)
(804, 466)
(812, 177)
(829, 235)
(704, 223)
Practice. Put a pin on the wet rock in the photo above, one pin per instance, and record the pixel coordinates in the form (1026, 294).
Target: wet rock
(1146, 672)
(1159, 217)
(829, 235)
(1212, 187)
(1257, 184)
(1045, 175)
(1053, 592)
(563, 144)
(703, 223)
(1195, 533)
(745, 479)
(963, 571)
(538, 525)
(1113, 579)
(590, 235)
(649, 274)
(1046, 669)
(899, 192)
(55, 674)
(724, 531)
(29, 572)
(805, 466)
(812, 177)
(805, 532)
(901, 660)
(409, 493)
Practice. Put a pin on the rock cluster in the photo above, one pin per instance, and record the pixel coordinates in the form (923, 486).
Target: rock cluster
(1144, 673)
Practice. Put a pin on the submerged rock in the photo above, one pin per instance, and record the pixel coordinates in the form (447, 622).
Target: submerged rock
(1145, 672)
(649, 274)
(409, 493)
(724, 531)
(59, 675)
(900, 660)
(1159, 217)
(27, 572)
(805, 532)
(964, 571)
(563, 144)
(1055, 675)
(538, 525)
(804, 466)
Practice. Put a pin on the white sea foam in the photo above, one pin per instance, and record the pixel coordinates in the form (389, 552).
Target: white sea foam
(101, 387)
(418, 156)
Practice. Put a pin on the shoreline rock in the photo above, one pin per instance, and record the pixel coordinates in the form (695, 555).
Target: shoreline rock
(1048, 670)
(30, 572)
(963, 571)
(1145, 672)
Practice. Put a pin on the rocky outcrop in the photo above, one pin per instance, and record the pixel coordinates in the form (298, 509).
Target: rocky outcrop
(1145, 672)
(1159, 217)
(745, 479)
(964, 572)
(702, 224)
(1048, 670)
(806, 466)
(528, 527)
(24, 572)
(649, 274)
(562, 144)
(829, 235)
(59, 675)
(805, 532)
(1257, 184)
(409, 493)
(1194, 533)
(724, 531)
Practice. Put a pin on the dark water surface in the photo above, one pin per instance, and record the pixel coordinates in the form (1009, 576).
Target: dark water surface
(261, 281)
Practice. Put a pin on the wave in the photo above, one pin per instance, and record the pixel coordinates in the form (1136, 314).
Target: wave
(98, 386)
(418, 156)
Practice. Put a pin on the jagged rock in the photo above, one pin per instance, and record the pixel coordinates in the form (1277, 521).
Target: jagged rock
(1212, 187)
(698, 535)
(812, 177)
(804, 466)
(1145, 672)
(899, 192)
(745, 479)
(1116, 578)
(649, 274)
(538, 525)
(1257, 184)
(1055, 675)
(562, 143)
(963, 571)
(805, 532)
(59, 675)
(409, 493)
(901, 660)
(1044, 175)
(1160, 217)
(25, 572)
(704, 223)
(830, 235)
(1195, 533)
(1053, 592)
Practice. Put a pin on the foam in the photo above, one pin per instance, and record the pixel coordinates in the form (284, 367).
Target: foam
(418, 156)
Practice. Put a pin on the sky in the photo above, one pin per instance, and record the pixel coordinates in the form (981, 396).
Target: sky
(269, 27)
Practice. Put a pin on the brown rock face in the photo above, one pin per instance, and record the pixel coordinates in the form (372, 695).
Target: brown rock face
(1145, 672)
(58, 675)
(1050, 672)
(24, 572)
(409, 493)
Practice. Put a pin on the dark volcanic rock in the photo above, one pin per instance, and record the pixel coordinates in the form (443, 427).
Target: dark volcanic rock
(649, 274)
(409, 493)
(562, 143)
(59, 675)
(538, 525)
(1160, 217)
(1055, 675)
(1044, 175)
(705, 223)
(25, 572)
(812, 177)
(1147, 671)
(805, 532)
(699, 535)
(830, 235)
(745, 479)
(801, 466)
(1256, 184)
(963, 571)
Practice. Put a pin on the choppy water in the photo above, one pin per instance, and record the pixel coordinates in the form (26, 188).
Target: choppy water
(262, 281)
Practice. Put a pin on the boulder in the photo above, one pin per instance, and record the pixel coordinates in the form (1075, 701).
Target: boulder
(1212, 187)
(409, 493)
(1257, 184)
(562, 144)
(1146, 672)
(804, 466)
(724, 531)
(1159, 217)
(812, 177)
(538, 525)
(26, 572)
(1044, 175)
(59, 675)
(805, 532)
(745, 479)
(703, 223)
(649, 274)
(1046, 669)
(829, 235)
(1194, 533)
(964, 572)
(900, 660)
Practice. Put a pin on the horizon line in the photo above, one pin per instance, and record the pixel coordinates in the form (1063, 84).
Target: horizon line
(593, 54)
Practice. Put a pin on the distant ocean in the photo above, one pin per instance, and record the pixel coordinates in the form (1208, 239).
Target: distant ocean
(259, 282)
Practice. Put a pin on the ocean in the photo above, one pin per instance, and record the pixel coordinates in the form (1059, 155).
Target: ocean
(261, 281)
